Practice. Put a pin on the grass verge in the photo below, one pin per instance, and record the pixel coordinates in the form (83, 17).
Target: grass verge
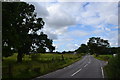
(112, 69)
(103, 57)
(36, 65)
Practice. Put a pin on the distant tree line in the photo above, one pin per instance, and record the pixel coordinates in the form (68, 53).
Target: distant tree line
(96, 45)
(70, 52)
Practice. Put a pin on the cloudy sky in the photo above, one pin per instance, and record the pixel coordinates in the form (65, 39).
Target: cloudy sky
(70, 24)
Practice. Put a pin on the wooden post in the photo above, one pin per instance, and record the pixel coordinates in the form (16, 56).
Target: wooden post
(62, 57)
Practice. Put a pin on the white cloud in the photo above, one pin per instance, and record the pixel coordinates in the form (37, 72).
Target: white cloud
(113, 38)
(97, 13)
(52, 35)
(77, 45)
(112, 19)
(61, 31)
(97, 31)
(41, 10)
(59, 17)
(78, 33)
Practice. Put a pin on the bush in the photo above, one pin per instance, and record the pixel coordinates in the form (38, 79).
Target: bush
(113, 67)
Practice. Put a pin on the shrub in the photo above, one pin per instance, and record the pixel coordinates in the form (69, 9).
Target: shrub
(113, 67)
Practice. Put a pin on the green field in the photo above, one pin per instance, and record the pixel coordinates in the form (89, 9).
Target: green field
(36, 64)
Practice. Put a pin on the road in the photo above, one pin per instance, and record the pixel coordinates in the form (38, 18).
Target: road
(87, 67)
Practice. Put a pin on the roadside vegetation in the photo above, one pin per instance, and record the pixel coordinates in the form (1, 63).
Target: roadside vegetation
(36, 64)
(112, 69)
(103, 57)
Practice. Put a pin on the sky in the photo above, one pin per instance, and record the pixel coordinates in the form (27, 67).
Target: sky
(70, 24)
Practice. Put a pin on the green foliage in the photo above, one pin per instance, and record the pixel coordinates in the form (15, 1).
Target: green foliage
(20, 26)
(97, 45)
(36, 64)
(113, 50)
(5, 51)
(103, 57)
(113, 67)
(83, 49)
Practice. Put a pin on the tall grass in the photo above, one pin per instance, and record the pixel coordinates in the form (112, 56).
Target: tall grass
(36, 64)
(103, 57)
(113, 68)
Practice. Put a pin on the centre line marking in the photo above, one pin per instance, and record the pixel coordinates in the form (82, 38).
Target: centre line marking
(76, 72)
(85, 65)
(102, 72)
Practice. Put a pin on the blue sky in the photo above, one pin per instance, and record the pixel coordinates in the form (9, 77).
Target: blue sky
(70, 24)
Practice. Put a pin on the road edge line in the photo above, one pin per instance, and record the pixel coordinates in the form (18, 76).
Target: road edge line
(102, 72)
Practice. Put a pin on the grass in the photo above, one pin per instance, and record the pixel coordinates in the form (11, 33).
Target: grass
(112, 69)
(36, 64)
(103, 57)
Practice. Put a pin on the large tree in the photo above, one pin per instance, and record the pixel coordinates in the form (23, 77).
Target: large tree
(19, 31)
(98, 45)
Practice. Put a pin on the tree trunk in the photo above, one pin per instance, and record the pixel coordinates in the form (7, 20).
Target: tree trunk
(19, 57)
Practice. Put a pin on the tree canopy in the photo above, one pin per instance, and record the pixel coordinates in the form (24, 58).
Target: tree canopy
(20, 26)
(82, 49)
(98, 45)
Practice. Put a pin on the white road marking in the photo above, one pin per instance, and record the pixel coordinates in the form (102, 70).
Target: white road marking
(76, 72)
(102, 72)
(85, 65)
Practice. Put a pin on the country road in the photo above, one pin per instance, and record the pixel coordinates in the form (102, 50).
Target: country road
(87, 67)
